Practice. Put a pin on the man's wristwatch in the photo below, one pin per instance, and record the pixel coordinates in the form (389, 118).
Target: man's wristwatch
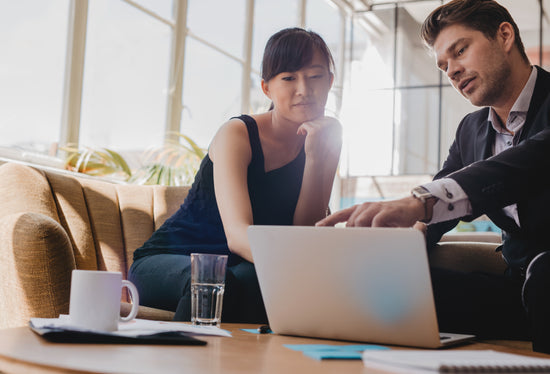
(424, 195)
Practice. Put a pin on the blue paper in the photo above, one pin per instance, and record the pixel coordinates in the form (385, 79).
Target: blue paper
(333, 355)
(255, 331)
(332, 351)
(333, 347)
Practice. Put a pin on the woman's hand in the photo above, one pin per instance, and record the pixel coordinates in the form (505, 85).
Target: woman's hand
(322, 147)
(323, 137)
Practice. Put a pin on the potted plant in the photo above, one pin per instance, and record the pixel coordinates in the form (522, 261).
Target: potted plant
(174, 163)
(101, 162)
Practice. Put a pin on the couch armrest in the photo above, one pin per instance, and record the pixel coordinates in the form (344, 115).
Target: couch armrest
(468, 256)
(35, 270)
(473, 236)
(145, 312)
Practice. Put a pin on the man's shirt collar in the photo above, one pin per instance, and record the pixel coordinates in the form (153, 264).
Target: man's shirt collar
(520, 107)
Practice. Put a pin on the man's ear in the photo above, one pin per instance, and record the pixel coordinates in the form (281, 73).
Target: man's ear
(507, 36)
(265, 88)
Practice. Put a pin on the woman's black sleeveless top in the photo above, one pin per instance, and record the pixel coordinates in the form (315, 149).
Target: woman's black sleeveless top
(197, 227)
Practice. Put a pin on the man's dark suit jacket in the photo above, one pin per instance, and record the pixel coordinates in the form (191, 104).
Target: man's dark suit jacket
(519, 175)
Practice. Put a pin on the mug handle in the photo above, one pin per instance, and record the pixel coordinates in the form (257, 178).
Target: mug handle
(134, 296)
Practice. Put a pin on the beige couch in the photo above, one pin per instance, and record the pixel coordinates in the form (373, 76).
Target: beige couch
(53, 222)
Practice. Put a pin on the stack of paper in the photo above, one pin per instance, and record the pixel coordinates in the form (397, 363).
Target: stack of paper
(137, 331)
(463, 361)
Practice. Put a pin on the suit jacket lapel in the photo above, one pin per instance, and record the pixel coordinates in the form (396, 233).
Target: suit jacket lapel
(540, 93)
(484, 141)
(483, 149)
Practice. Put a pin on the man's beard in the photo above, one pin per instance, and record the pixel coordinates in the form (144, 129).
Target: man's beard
(494, 87)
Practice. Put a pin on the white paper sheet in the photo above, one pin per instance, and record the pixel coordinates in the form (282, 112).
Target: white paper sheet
(133, 328)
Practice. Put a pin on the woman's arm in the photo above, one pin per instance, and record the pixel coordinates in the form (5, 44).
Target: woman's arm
(231, 154)
(322, 147)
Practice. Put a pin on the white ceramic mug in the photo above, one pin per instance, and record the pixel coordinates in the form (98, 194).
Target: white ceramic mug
(95, 299)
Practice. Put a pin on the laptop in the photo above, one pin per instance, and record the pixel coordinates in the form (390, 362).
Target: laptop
(358, 284)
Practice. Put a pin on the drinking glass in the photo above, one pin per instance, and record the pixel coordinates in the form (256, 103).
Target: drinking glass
(207, 288)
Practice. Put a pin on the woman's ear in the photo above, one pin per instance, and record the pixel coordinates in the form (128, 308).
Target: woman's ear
(265, 88)
(331, 78)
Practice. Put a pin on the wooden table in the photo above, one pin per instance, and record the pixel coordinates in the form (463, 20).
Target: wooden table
(22, 351)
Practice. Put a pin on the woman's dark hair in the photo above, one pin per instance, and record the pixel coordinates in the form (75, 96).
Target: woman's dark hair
(290, 50)
(481, 15)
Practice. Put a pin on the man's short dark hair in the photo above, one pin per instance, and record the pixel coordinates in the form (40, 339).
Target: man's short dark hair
(481, 15)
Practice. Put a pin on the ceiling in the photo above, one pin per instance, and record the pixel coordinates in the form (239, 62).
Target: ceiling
(521, 10)
(525, 13)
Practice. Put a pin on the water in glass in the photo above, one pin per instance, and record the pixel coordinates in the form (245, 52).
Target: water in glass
(206, 303)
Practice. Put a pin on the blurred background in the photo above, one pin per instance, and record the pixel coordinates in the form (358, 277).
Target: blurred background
(127, 75)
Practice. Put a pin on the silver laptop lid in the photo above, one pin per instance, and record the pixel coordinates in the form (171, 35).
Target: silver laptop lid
(361, 284)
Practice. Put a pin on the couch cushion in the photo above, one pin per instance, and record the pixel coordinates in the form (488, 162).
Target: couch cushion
(167, 200)
(144, 209)
(89, 210)
(136, 212)
(74, 217)
(103, 209)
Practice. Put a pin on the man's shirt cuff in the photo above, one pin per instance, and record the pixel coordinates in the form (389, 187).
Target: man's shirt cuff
(452, 200)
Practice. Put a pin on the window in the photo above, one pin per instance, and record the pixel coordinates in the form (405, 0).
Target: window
(277, 15)
(399, 113)
(32, 40)
(220, 23)
(325, 18)
(125, 78)
(212, 91)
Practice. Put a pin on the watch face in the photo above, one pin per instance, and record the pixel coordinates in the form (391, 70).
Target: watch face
(421, 192)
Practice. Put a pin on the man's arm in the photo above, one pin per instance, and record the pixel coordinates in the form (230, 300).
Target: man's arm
(491, 184)
(508, 177)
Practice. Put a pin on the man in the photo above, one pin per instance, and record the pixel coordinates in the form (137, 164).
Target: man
(477, 44)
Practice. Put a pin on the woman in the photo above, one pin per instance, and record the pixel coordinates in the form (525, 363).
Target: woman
(274, 168)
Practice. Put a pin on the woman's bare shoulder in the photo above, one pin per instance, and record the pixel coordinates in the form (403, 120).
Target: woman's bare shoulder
(231, 136)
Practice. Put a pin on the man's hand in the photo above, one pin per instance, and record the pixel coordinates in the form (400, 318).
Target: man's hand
(396, 213)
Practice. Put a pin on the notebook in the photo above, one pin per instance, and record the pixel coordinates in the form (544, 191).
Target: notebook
(456, 361)
(359, 284)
